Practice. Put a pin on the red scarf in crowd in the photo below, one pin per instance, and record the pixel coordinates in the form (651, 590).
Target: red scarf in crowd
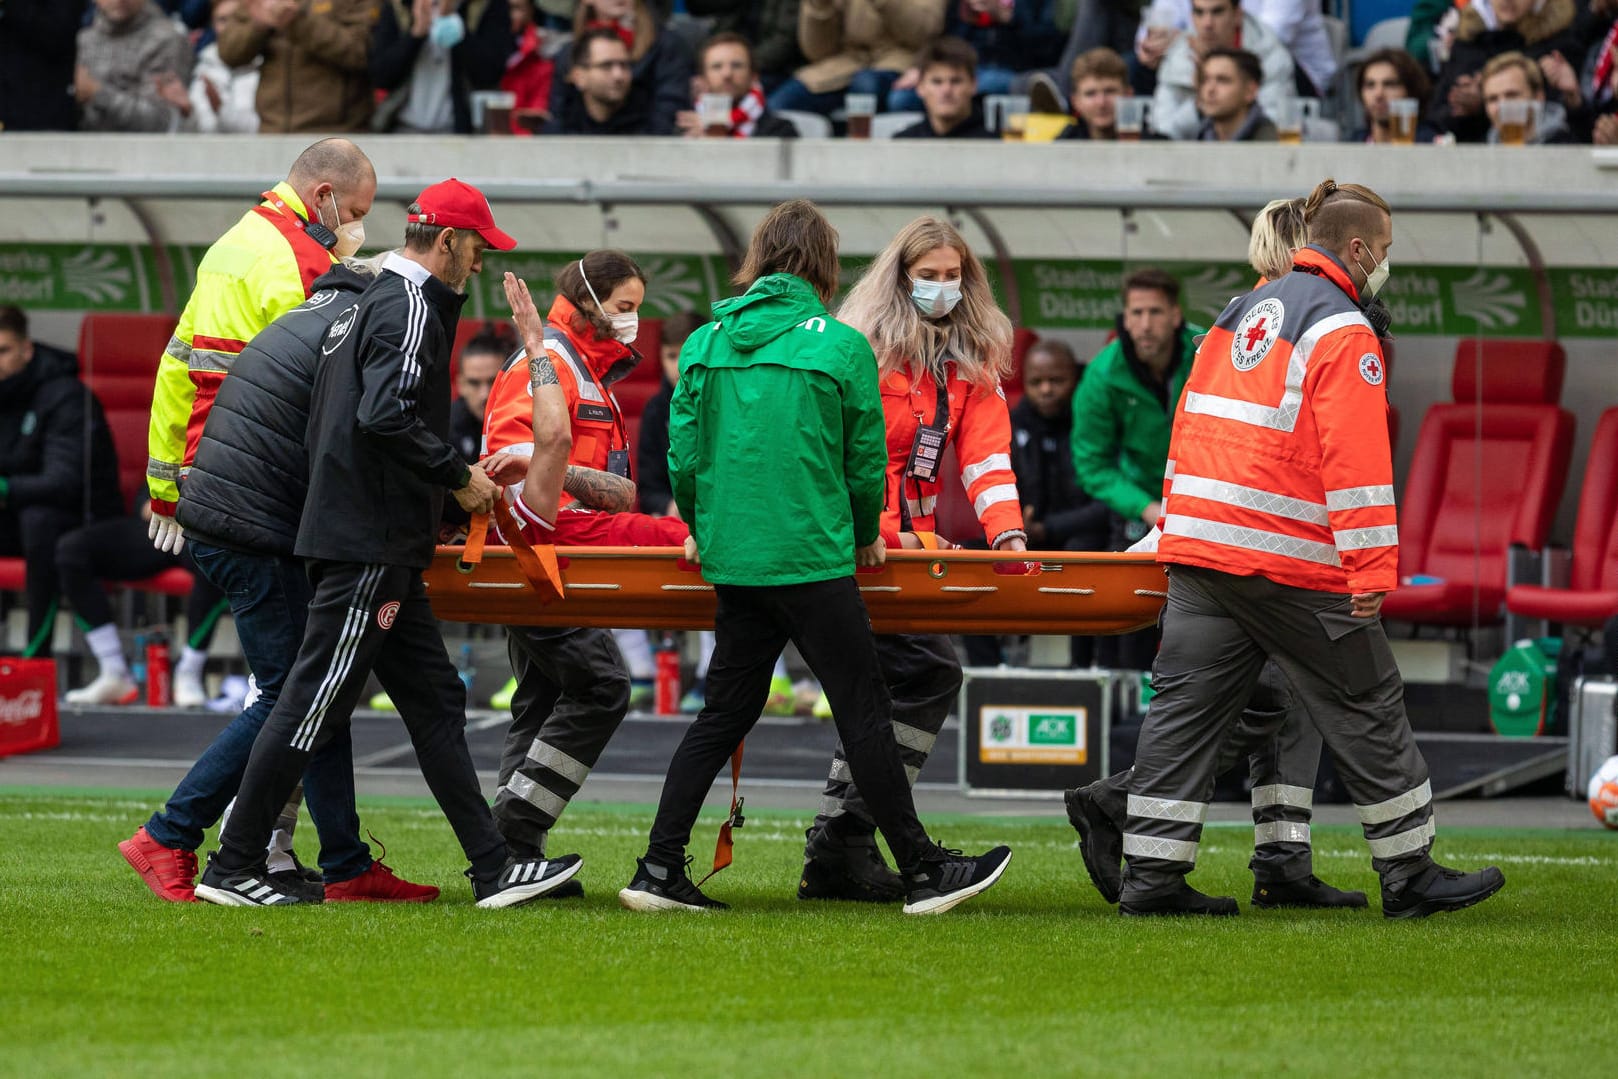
(745, 113)
(1602, 79)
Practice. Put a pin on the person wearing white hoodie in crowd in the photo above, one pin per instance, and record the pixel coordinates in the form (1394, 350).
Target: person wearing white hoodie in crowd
(1217, 24)
(224, 98)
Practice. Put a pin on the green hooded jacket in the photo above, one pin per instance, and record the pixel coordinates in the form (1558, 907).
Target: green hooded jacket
(776, 443)
(1121, 427)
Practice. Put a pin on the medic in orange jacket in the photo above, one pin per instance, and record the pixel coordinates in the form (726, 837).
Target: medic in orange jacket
(979, 428)
(585, 366)
(1279, 465)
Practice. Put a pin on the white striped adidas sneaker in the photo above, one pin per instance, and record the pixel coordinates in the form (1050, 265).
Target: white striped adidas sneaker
(526, 879)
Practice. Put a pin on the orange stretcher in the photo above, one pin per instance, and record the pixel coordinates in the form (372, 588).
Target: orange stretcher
(952, 591)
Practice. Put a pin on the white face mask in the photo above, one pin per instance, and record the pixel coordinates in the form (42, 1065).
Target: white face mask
(935, 299)
(350, 236)
(1375, 277)
(625, 325)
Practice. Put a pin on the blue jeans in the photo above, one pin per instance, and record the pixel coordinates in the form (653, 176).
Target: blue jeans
(794, 96)
(269, 599)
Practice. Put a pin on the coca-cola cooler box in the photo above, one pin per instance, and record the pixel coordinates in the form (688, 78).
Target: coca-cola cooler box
(27, 706)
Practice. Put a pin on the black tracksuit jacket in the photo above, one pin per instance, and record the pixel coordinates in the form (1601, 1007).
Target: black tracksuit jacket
(380, 459)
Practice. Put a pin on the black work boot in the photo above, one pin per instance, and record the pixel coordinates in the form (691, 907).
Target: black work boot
(1438, 889)
(1183, 900)
(1101, 842)
(1310, 892)
(847, 866)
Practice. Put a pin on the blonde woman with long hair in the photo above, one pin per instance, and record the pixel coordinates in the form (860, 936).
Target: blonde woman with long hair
(942, 346)
(1278, 231)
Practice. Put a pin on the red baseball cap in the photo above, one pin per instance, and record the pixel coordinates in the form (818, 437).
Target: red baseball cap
(454, 204)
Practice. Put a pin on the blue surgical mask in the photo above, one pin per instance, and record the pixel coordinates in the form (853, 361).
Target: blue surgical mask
(935, 299)
(447, 31)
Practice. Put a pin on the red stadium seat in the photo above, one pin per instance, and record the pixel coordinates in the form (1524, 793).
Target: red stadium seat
(1592, 593)
(13, 574)
(118, 357)
(1487, 474)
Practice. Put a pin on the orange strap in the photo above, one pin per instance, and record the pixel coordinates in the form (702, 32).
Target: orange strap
(724, 844)
(538, 564)
(476, 533)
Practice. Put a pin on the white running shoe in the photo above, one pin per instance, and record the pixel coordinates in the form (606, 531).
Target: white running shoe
(188, 690)
(106, 689)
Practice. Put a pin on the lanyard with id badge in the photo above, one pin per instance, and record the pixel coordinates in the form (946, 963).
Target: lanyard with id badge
(926, 452)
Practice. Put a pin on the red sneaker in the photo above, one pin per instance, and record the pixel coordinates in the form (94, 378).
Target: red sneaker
(170, 872)
(378, 884)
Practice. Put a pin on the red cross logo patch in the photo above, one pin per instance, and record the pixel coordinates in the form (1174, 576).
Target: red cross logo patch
(1256, 334)
(1371, 369)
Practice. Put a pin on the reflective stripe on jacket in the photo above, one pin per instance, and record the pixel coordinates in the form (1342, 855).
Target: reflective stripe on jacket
(260, 269)
(979, 429)
(1279, 465)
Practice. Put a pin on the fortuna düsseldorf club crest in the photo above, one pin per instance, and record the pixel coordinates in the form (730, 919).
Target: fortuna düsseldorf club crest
(1256, 334)
(387, 613)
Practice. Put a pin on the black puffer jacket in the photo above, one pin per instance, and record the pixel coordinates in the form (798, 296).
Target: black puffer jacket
(247, 484)
(43, 417)
(380, 460)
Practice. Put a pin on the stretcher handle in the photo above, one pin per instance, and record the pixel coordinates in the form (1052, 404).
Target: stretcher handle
(538, 564)
(476, 533)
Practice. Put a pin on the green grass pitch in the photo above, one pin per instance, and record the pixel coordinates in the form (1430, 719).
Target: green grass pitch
(1037, 977)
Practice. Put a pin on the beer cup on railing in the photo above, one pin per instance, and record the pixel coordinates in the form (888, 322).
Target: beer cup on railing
(1289, 121)
(1131, 113)
(713, 112)
(1403, 113)
(1517, 120)
(859, 108)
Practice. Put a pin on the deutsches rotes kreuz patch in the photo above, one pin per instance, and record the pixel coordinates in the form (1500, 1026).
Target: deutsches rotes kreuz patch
(1256, 334)
(1371, 369)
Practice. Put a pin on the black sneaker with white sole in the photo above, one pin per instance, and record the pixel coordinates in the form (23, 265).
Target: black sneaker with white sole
(847, 867)
(296, 882)
(252, 888)
(524, 880)
(657, 887)
(947, 878)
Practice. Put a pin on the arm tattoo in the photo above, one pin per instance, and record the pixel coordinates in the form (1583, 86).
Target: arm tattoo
(600, 490)
(540, 371)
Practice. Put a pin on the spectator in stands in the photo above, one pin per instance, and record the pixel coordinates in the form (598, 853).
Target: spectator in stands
(223, 98)
(725, 66)
(429, 55)
(1227, 98)
(1122, 412)
(1589, 94)
(1217, 24)
(948, 92)
(529, 70)
(770, 25)
(1387, 76)
(116, 550)
(600, 97)
(1533, 27)
(314, 76)
(1096, 24)
(1011, 37)
(58, 467)
(134, 67)
(1511, 76)
(480, 361)
(1099, 78)
(857, 47)
(658, 83)
(1298, 24)
(38, 45)
(652, 488)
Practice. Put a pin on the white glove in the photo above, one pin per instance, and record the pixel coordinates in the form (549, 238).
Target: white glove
(1147, 544)
(166, 534)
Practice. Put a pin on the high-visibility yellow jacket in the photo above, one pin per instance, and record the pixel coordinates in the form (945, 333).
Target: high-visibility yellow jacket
(260, 269)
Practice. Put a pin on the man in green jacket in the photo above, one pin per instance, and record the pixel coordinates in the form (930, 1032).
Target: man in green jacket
(1122, 413)
(777, 457)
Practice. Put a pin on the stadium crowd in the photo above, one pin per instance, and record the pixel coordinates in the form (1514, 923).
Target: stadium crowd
(1519, 72)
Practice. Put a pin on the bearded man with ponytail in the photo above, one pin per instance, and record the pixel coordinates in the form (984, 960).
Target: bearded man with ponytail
(1280, 535)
